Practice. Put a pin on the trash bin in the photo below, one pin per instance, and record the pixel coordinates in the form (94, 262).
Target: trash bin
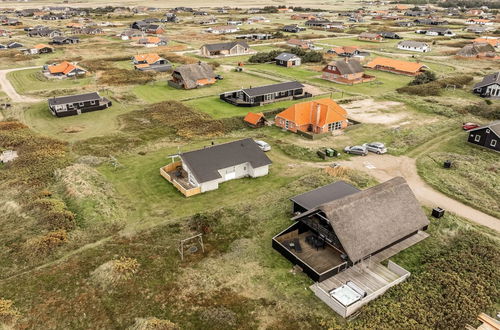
(330, 152)
(437, 212)
(447, 164)
(321, 154)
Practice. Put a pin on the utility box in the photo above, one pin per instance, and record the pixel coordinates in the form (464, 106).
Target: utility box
(330, 152)
(447, 164)
(437, 212)
(321, 154)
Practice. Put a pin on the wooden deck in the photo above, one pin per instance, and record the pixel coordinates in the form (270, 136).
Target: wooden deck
(320, 260)
(396, 248)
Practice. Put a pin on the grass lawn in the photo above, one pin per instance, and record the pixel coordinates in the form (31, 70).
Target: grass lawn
(473, 179)
(217, 108)
(74, 128)
(32, 80)
(388, 43)
(140, 176)
(160, 91)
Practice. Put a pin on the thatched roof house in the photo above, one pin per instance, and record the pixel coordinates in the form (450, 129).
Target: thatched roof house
(191, 76)
(477, 50)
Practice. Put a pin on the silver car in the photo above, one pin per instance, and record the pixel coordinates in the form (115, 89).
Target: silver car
(264, 146)
(376, 147)
(356, 150)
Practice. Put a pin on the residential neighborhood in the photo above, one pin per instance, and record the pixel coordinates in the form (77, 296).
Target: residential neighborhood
(250, 165)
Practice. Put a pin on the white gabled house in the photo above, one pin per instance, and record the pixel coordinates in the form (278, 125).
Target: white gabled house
(414, 46)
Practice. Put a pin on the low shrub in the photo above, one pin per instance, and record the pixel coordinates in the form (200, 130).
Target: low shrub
(8, 314)
(45, 244)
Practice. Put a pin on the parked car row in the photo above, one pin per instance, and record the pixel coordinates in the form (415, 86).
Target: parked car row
(375, 147)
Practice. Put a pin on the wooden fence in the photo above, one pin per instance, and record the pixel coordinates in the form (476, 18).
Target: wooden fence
(172, 166)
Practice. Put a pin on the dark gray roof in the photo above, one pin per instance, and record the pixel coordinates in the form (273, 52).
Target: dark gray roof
(325, 194)
(74, 98)
(348, 67)
(224, 46)
(370, 220)
(494, 126)
(268, 89)
(205, 163)
(489, 80)
(286, 57)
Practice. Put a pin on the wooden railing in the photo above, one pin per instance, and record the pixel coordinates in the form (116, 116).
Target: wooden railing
(171, 167)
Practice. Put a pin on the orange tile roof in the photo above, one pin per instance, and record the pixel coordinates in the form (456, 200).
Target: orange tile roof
(345, 49)
(399, 65)
(40, 46)
(253, 118)
(148, 58)
(63, 67)
(493, 42)
(153, 40)
(306, 113)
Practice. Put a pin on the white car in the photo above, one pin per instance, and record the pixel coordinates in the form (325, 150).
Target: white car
(264, 146)
(376, 147)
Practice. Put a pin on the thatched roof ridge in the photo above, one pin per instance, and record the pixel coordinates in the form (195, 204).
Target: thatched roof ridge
(372, 219)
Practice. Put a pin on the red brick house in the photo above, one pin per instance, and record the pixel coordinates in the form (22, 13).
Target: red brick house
(373, 37)
(346, 71)
(318, 116)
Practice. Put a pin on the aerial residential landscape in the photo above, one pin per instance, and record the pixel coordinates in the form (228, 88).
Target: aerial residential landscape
(250, 164)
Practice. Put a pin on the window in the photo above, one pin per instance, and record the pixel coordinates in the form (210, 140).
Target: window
(92, 102)
(493, 143)
(80, 104)
(488, 131)
(287, 124)
(334, 126)
(477, 138)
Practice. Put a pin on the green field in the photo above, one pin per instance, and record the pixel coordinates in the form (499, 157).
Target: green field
(74, 128)
(32, 81)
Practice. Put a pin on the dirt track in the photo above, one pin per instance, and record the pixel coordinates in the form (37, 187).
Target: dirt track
(7, 87)
(385, 167)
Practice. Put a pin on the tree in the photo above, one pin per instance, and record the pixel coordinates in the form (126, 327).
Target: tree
(424, 78)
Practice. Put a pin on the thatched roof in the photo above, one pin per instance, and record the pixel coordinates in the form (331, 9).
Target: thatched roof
(191, 73)
(475, 49)
(372, 219)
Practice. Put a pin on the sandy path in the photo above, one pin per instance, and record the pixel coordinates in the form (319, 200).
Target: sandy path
(7, 87)
(386, 167)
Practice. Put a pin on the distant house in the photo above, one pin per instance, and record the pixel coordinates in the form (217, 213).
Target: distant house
(429, 21)
(131, 34)
(396, 66)
(255, 119)
(486, 136)
(489, 86)
(477, 29)
(64, 40)
(64, 69)
(152, 41)
(415, 46)
(287, 60)
(495, 42)
(151, 62)
(478, 21)
(405, 23)
(437, 32)
(234, 48)
(349, 51)
(250, 97)
(88, 30)
(322, 23)
(373, 37)
(224, 29)
(304, 44)
(478, 50)
(255, 36)
(41, 49)
(76, 104)
(258, 19)
(390, 35)
(293, 28)
(189, 76)
(341, 226)
(203, 170)
(316, 117)
(14, 44)
(346, 71)
(44, 32)
(297, 17)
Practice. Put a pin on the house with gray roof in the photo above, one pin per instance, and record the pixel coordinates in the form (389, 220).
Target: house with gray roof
(235, 48)
(288, 60)
(487, 136)
(71, 105)
(414, 46)
(203, 170)
(489, 86)
(346, 71)
(254, 96)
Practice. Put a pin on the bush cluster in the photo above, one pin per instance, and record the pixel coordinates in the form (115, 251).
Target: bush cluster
(306, 56)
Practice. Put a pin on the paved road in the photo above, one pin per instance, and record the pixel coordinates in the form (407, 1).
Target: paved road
(7, 87)
(385, 167)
